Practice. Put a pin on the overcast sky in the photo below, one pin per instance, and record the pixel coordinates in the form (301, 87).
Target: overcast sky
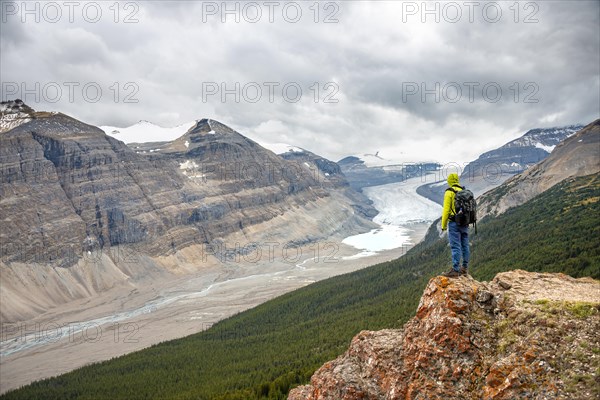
(367, 71)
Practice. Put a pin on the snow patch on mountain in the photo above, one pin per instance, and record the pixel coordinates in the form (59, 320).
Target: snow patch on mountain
(373, 160)
(282, 148)
(12, 120)
(387, 162)
(191, 169)
(545, 148)
(549, 137)
(145, 131)
(13, 113)
(188, 164)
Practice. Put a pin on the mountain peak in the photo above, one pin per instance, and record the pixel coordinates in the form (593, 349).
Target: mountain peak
(544, 138)
(15, 106)
(209, 126)
(14, 113)
(146, 122)
(502, 339)
(18, 118)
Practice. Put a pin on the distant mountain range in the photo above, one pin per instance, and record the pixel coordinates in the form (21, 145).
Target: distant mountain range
(372, 170)
(362, 170)
(489, 170)
(494, 167)
(521, 153)
(578, 155)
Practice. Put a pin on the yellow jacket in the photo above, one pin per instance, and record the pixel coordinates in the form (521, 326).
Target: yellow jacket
(448, 210)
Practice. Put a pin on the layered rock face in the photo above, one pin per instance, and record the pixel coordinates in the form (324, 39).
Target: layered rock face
(72, 196)
(261, 184)
(333, 177)
(68, 188)
(521, 336)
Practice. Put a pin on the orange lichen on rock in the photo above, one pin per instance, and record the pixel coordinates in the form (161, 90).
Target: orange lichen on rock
(465, 343)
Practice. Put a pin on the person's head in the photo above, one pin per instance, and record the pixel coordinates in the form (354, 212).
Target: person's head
(453, 179)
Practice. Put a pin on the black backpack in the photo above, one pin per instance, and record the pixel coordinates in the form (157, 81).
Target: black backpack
(465, 207)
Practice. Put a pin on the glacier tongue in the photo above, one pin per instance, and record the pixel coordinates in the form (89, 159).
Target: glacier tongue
(399, 204)
(399, 207)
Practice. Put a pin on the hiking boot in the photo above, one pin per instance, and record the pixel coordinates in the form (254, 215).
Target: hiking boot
(464, 271)
(452, 273)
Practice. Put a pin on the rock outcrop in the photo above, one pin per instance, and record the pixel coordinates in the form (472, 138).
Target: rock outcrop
(521, 336)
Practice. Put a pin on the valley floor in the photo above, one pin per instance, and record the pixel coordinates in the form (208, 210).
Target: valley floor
(88, 331)
(130, 318)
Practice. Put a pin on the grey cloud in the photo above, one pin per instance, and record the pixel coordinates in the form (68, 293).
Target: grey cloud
(171, 53)
(13, 33)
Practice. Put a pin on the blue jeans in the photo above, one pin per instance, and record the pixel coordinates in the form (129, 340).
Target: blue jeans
(458, 236)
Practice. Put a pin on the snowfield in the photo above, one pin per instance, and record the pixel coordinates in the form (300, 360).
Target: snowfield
(545, 148)
(11, 121)
(145, 131)
(280, 148)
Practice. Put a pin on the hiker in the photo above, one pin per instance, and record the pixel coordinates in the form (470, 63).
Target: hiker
(458, 212)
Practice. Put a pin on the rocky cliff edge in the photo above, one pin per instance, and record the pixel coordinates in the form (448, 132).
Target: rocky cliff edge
(523, 335)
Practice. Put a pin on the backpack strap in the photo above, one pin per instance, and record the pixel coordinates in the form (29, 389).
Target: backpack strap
(455, 191)
(452, 210)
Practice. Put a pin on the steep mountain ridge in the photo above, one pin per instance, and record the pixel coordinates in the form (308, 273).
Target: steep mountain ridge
(333, 176)
(503, 339)
(523, 152)
(579, 155)
(75, 198)
(494, 167)
(213, 152)
(218, 154)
